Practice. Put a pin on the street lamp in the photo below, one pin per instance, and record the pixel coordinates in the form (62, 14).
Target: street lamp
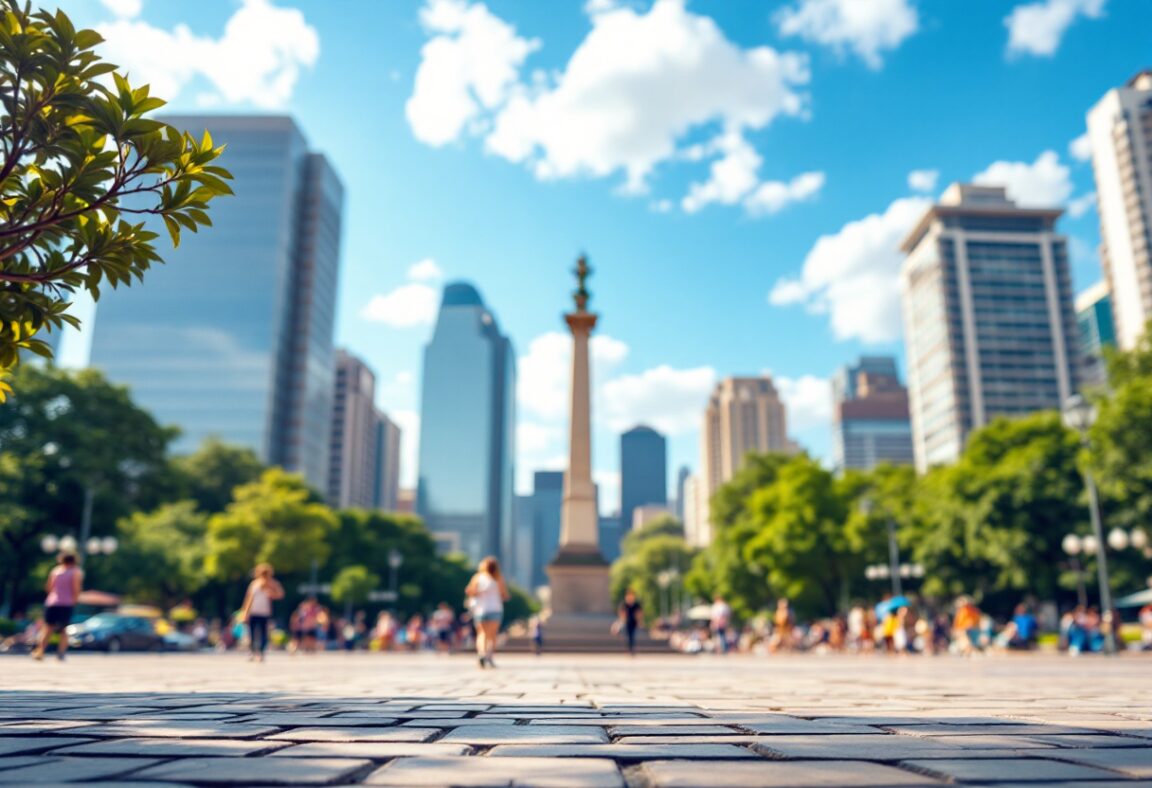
(68, 544)
(1079, 414)
(664, 579)
(867, 506)
(395, 561)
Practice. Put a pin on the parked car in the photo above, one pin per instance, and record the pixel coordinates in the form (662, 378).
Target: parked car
(181, 641)
(113, 633)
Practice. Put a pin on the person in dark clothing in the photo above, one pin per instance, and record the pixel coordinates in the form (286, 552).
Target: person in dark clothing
(631, 618)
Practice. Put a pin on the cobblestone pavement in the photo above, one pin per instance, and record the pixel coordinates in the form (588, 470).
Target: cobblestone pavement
(416, 720)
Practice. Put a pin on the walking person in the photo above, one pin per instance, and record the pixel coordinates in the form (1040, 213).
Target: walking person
(488, 593)
(631, 618)
(63, 590)
(257, 609)
(720, 619)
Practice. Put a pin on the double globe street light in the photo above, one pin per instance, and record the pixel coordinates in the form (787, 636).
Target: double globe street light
(68, 544)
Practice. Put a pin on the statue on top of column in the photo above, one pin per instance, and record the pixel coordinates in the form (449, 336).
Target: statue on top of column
(582, 295)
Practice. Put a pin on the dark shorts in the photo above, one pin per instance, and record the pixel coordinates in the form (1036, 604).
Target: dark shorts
(58, 615)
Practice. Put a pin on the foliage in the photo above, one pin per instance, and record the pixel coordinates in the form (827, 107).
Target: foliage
(81, 168)
(646, 553)
(666, 525)
(353, 584)
(60, 434)
(212, 473)
(161, 555)
(275, 519)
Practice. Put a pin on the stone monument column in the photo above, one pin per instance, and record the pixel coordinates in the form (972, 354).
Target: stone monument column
(579, 574)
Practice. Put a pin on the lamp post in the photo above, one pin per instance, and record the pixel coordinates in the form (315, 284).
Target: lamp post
(1079, 414)
(93, 546)
(1073, 545)
(395, 561)
(893, 569)
(664, 579)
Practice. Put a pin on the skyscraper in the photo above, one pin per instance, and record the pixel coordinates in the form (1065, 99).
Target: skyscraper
(643, 472)
(364, 465)
(467, 429)
(547, 502)
(1120, 130)
(1097, 331)
(989, 326)
(744, 415)
(387, 475)
(870, 420)
(233, 336)
(682, 478)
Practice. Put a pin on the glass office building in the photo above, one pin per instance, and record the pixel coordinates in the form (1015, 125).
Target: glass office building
(467, 429)
(1097, 331)
(643, 472)
(870, 419)
(546, 501)
(232, 337)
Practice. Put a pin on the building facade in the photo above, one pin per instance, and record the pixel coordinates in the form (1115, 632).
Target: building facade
(1120, 130)
(643, 472)
(989, 325)
(870, 419)
(467, 429)
(547, 503)
(353, 463)
(232, 337)
(1097, 331)
(743, 415)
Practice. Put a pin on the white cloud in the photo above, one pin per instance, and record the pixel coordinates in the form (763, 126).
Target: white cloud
(669, 400)
(1081, 205)
(1081, 148)
(734, 178)
(853, 274)
(125, 9)
(808, 400)
(543, 372)
(1043, 183)
(1037, 28)
(866, 27)
(407, 306)
(257, 60)
(923, 181)
(535, 439)
(409, 423)
(468, 66)
(608, 490)
(425, 271)
(631, 90)
(404, 378)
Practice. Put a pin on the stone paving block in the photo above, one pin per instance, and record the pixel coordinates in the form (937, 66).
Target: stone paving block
(1091, 741)
(376, 751)
(791, 725)
(439, 723)
(875, 747)
(326, 734)
(680, 730)
(1136, 763)
(497, 773)
(1008, 729)
(33, 727)
(172, 748)
(164, 729)
(257, 771)
(525, 734)
(17, 761)
(686, 750)
(70, 770)
(12, 745)
(292, 720)
(1035, 770)
(795, 774)
(654, 719)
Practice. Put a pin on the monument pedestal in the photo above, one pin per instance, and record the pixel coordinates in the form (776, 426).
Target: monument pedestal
(579, 579)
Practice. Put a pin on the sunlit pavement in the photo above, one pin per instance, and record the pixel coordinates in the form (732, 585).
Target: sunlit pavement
(426, 720)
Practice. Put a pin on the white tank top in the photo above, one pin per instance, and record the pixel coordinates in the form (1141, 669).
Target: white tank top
(488, 599)
(261, 603)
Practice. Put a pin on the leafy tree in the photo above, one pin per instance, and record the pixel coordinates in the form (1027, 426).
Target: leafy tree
(81, 167)
(661, 526)
(353, 584)
(211, 474)
(161, 554)
(62, 434)
(275, 519)
(658, 547)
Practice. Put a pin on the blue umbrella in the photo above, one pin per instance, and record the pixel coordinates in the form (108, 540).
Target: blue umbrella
(888, 605)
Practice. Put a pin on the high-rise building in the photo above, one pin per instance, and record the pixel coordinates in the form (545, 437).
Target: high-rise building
(611, 531)
(353, 464)
(547, 504)
(989, 325)
(467, 429)
(697, 530)
(681, 482)
(870, 420)
(643, 471)
(232, 337)
(520, 566)
(1097, 331)
(1120, 130)
(743, 415)
(387, 473)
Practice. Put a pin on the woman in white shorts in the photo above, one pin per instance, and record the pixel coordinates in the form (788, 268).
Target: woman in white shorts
(488, 593)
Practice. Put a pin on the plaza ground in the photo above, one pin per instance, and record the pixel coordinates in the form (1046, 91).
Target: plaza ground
(558, 720)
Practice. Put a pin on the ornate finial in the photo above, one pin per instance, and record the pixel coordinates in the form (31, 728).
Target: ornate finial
(581, 296)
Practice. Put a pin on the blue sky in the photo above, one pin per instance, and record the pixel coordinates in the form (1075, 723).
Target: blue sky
(738, 171)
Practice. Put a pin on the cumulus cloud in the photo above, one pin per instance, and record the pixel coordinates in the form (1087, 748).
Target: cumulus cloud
(808, 400)
(1042, 184)
(1038, 28)
(468, 66)
(125, 9)
(533, 438)
(865, 28)
(670, 400)
(425, 271)
(853, 275)
(543, 372)
(734, 178)
(408, 306)
(923, 181)
(1081, 148)
(1081, 205)
(257, 60)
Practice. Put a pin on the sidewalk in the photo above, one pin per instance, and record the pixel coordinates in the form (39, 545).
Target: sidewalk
(403, 720)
